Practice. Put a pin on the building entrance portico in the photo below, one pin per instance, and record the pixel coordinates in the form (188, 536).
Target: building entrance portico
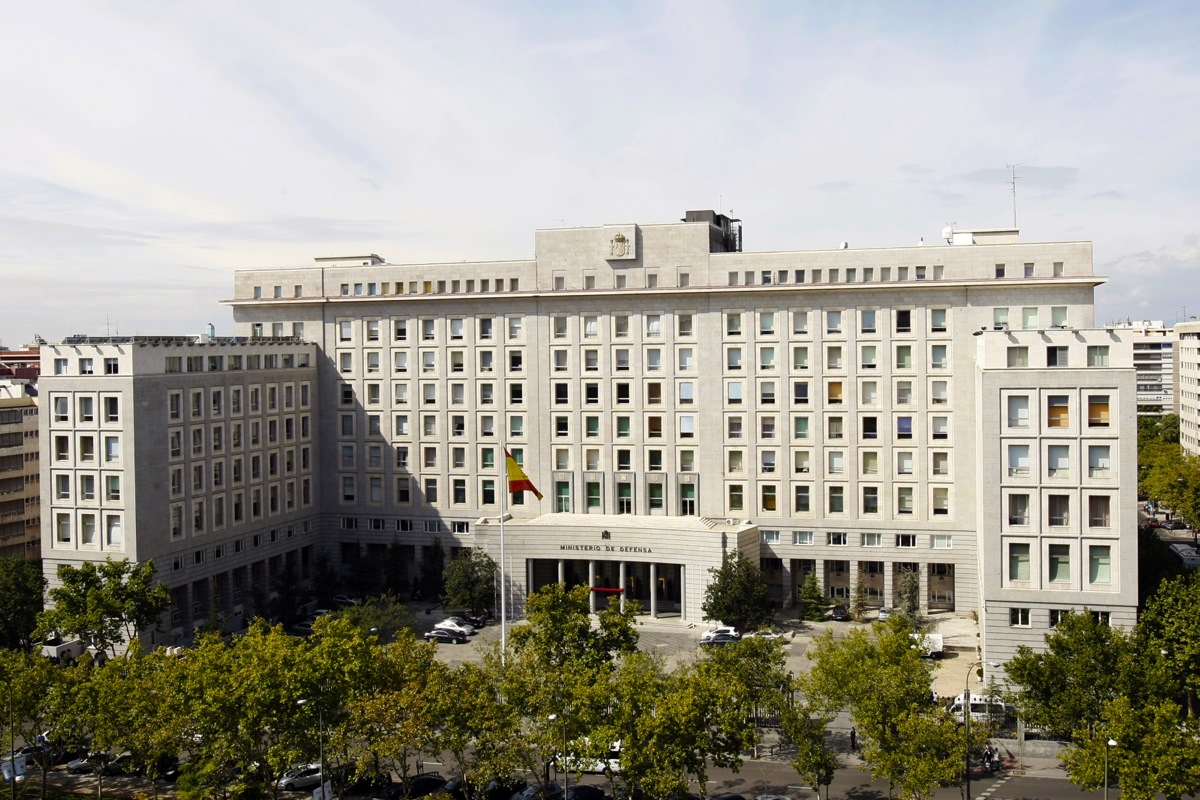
(662, 563)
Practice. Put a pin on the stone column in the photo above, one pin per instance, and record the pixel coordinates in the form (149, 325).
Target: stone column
(623, 586)
(888, 569)
(789, 594)
(853, 567)
(653, 590)
(562, 571)
(683, 609)
(592, 584)
(923, 586)
(529, 562)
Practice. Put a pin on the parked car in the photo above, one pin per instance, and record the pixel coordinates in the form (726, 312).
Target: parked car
(123, 764)
(345, 600)
(552, 792)
(445, 635)
(885, 613)
(1176, 525)
(474, 620)
(724, 630)
(840, 614)
(425, 783)
(456, 625)
(306, 776)
(463, 621)
(720, 640)
(770, 634)
(585, 791)
(87, 763)
(501, 789)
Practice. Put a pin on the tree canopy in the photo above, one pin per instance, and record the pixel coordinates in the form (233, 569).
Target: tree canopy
(107, 604)
(470, 581)
(738, 594)
(22, 587)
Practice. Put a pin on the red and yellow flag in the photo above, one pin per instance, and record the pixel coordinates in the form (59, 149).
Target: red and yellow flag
(518, 481)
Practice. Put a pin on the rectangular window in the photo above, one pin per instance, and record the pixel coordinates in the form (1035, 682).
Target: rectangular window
(904, 500)
(1099, 510)
(1100, 563)
(837, 499)
(1099, 460)
(1017, 617)
(870, 500)
(1059, 563)
(1097, 355)
(1098, 411)
(1058, 414)
(803, 499)
(1018, 561)
(1018, 357)
(1018, 509)
(1059, 509)
(1057, 356)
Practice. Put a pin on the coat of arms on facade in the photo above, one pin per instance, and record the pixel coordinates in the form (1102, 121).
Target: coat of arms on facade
(618, 246)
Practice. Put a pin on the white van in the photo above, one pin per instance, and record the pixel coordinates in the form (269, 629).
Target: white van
(983, 708)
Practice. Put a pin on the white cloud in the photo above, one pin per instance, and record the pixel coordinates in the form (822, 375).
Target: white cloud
(150, 149)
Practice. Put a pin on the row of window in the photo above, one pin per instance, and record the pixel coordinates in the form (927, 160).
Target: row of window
(903, 500)
(251, 435)
(1057, 563)
(233, 547)
(82, 487)
(85, 528)
(937, 541)
(219, 510)
(1057, 356)
(399, 287)
(1060, 461)
(1057, 511)
(85, 448)
(1058, 410)
(238, 363)
(89, 409)
(211, 402)
(213, 473)
(87, 366)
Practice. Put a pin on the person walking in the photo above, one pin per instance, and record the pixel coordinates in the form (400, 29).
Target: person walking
(853, 739)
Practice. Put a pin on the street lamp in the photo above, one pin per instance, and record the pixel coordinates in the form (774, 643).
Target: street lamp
(966, 706)
(320, 744)
(566, 771)
(1108, 744)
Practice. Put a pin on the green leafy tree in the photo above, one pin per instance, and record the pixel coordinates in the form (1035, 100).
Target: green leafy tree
(470, 581)
(1154, 755)
(805, 727)
(107, 604)
(433, 568)
(858, 605)
(560, 631)
(928, 752)
(812, 602)
(385, 616)
(882, 680)
(22, 588)
(1170, 627)
(738, 594)
(1085, 665)
(908, 596)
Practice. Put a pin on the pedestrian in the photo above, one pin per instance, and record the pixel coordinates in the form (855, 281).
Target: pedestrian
(853, 739)
(995, 760)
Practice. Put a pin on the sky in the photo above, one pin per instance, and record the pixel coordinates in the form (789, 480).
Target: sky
(148, 149)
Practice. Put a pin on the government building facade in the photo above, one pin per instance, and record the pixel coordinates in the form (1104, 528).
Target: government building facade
(949, 412)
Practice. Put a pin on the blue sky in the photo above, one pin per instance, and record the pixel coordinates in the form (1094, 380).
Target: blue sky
(151, 148)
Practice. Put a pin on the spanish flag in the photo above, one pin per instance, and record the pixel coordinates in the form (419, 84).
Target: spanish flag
(518, 481)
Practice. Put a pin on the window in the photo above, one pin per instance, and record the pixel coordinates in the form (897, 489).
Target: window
(904, 359)
(1057, 356)
(837, 462)
(1100, 563)
(800, 392)
(939, 393)
(624, 498)
(653, 326)
(1099, 460)
(684, 323)
(687, 427)
(1000, 319)
(766, 358)
(906, 540)
(734, 428)
(866, 321)
(835, 428)
(1099, 507)
(937, 319)
(799, 357)
(1058, 414)
(733, 358)
(733, 324)
(686, 359)
(904, 427)
(736, 491)
(1059, 509)
(941, 501)
(833, 357)
(1018, 561)
(1059, 563)
(768, 494)
(1058, 460)
(837, 539)
(903, 320)
(1018, 411)
(868, 357)
(870, 500)
(802, 499)
(1018, 460)
(904, 500)
(834, 393)
(85, 366)
(833, 321)
(733, 393)
(870, 463)
(1098, 411)
(800, 428)
(1018, 509)
(870, 427)
(1017, 617)
(1058, 316)
(621, 326)
(837, 499)
(1097, 355)
(938, 357)
(1018, 357)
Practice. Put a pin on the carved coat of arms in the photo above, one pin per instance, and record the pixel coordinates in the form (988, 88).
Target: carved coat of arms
(618, 247)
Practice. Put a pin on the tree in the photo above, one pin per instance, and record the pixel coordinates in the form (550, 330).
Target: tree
(1085, 665)
(883, 681)
(470, 581)
(1155, 755)
(433, 567)
(858, 606)
(560, 631)
(908, 595)
(812, 602)
(106, 604)
(386, 616)
(805, 727)
(738, 594)
(1171, 628)
(22, 587)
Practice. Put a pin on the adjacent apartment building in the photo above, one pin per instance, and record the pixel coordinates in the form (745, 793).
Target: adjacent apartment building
(1156, 362)
(196, 452)
(949, 411)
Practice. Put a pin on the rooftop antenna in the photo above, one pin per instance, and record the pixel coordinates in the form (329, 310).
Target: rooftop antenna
(1013, 167)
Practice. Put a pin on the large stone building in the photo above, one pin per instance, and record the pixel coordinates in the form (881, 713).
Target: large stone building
(1156, 363)
(196, 452)
(948, 411)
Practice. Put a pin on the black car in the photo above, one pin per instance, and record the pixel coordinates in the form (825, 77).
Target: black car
(552, 792)
(1176, 525)
(420, 785)
(444, 635)
(585, 791)
(501, 789)
(840, 614)
(720, 640)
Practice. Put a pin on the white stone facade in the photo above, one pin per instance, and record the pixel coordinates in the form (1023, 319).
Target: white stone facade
(845, 407)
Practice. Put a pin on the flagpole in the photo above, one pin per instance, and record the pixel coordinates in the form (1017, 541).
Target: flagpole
(503, 487)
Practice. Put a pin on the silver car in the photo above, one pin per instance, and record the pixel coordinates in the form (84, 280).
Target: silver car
(306, 776)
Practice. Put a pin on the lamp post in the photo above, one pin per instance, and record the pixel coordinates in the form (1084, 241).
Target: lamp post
(320, 744)
(1108, 744)
(566, 771)
(966, 706)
